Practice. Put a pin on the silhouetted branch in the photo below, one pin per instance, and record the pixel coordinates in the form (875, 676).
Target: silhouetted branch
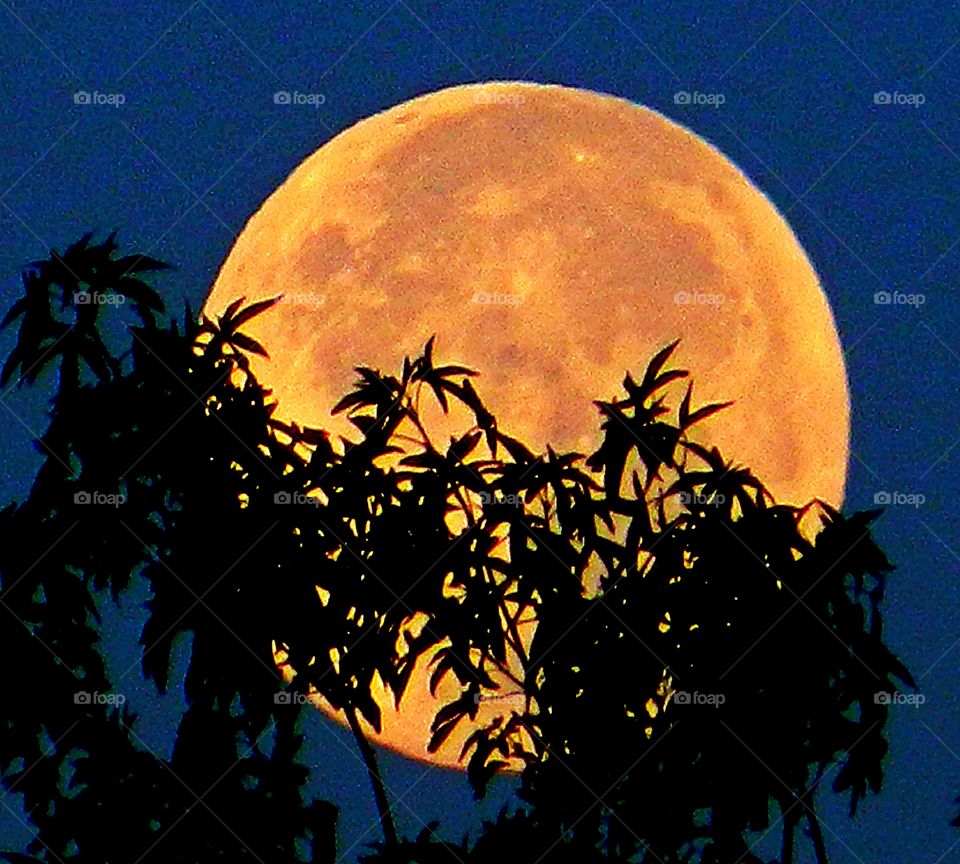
(376, 780)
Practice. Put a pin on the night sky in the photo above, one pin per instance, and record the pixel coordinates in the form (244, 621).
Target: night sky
(869, 184)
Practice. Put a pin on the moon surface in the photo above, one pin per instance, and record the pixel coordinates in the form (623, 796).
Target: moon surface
(552, 238)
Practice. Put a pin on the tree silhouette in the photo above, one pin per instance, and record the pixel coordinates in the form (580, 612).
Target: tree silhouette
(84, 279)
(690, 661)
(60, 313)
(703, 568)
(116, 439)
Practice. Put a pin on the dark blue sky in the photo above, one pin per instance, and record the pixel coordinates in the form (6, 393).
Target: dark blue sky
(870, 189)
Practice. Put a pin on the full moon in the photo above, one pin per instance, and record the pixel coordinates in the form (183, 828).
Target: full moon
(552, 239)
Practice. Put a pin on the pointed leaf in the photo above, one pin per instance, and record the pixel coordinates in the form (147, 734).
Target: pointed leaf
(249, 344)
(255, 309)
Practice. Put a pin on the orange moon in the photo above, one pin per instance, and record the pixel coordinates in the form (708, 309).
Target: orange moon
(552, 239)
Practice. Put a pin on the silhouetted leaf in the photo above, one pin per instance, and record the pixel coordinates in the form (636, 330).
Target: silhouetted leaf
(255, 309)
(248, 344)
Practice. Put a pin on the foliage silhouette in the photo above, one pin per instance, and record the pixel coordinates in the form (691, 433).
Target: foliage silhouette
(91, 788)
(624, 594)
(709, 567)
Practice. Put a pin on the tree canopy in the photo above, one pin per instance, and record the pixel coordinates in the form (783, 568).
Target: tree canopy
(694, 666)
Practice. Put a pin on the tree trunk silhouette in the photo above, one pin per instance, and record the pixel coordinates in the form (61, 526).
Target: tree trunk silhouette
(816, 832)
(376, 780)
(791, 817)
(816, 836)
